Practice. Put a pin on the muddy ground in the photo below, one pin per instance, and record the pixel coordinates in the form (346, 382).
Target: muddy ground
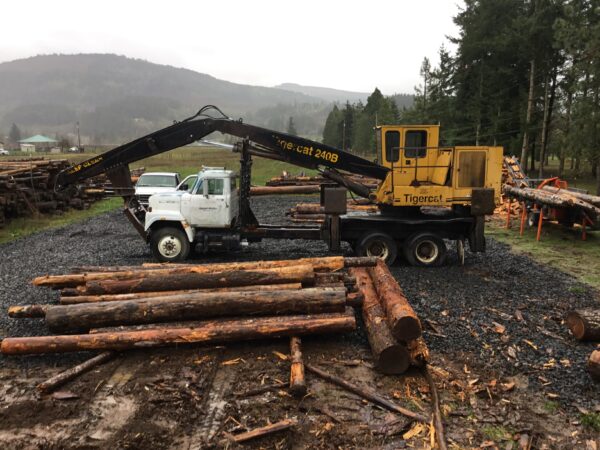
(504, 363)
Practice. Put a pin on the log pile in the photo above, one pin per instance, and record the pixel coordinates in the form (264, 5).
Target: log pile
(315, 213)
(302, 184)
(160, 304)
(393, 328)
(584, 325)
(558, 199)
(27, 188)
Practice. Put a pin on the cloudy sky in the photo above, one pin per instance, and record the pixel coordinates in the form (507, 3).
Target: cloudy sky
(343, 44)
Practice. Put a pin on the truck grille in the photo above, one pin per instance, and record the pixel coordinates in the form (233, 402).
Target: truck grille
(143, 199)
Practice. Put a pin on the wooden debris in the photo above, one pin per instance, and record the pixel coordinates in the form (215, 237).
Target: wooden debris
(437, 414)
(593, 365)
(584, 324)
(262, 431)
(297, 379)
(215, 331)
(64, 377)
(366, 393)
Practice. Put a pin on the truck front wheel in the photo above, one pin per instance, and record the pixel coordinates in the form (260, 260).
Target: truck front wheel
(425, 249)
(169, 244)
(380, 245)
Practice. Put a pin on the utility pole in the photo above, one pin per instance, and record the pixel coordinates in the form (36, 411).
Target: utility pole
(344, 134)
(78, 137)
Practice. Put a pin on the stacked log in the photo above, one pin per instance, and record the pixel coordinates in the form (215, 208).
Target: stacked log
(314, 212)
(172, 304)
(27, 188)
(585, 326)
(302, 184)
(393, 329)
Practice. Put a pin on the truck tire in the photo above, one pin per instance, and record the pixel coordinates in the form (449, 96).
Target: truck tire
(425, 249)
(380, 245)
(170, 244)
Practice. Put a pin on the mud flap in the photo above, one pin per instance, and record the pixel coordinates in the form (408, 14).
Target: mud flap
(477, 236)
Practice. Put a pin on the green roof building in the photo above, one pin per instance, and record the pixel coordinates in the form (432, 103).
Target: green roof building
(37, 143)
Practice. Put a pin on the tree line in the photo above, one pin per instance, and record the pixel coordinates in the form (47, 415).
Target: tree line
(525, 75)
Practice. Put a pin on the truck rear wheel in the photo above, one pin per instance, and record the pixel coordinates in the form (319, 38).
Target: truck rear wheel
(425, 250)
(170, 244)
(380, 245)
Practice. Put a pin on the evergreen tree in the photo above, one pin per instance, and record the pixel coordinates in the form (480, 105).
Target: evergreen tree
(291, 128)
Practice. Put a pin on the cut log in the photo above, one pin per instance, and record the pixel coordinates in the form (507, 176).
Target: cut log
(324, 264)
(262, 431)
(389, 356)
(83, 316)
(297, 380)
(593, 199)
(209, 332)
(157, 282)
(58, 380)
(401, 318)
(367, 393)
(584, 324)
(561, 199)
(593, 365)
(285, 190)
(70, 300)
(27, 311)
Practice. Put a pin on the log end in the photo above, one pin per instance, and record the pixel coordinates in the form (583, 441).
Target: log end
(393, 360)
(593, 365)
(576, 325)
(407, 328)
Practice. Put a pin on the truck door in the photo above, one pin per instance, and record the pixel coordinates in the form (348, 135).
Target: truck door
(207, 206)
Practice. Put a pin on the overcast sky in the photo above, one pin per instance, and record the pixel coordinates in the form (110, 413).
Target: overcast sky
(353, 45)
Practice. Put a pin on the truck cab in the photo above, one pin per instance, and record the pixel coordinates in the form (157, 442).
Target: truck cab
(204, 213)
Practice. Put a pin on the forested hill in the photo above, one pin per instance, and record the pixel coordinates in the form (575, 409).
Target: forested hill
(116, 98)
(332, 95)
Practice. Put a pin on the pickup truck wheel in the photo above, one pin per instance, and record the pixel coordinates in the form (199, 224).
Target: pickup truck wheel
(170, 244)
(425, 250)
(380, 245)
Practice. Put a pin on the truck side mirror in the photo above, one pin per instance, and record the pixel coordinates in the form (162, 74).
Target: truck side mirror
(184, 187)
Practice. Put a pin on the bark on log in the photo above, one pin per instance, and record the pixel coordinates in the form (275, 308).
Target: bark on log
(60, 379)
(593, 365)
(324, 264)
(584, 324)
(560, 199)
(83, 316)
(215, 331)
(27, 311)
(139, 295)
(156, 282)
(367, 393)
(419, 352)
(262, 431)
(593, 199)
(284, 190)
(297, 379)
(401, 318)
(389, 356)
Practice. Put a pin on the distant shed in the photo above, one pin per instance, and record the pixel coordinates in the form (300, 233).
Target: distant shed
(37, 143)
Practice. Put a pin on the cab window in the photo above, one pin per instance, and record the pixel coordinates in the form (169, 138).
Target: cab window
(415, 144)
(392, 146)
(215, 186)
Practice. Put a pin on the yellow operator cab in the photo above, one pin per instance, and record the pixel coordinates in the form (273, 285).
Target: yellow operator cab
(425, 174)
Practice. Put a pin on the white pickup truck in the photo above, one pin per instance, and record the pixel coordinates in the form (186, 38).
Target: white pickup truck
(203, 207)
(151, 183)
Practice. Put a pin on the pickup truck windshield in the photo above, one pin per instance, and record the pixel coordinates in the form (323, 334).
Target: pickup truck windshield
(157, 181)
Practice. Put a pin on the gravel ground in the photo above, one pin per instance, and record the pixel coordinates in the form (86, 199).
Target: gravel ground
(460, 304)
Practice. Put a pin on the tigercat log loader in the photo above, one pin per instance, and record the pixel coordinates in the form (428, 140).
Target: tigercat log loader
(426, 193)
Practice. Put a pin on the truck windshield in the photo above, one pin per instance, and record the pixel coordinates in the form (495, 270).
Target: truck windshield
(157, 181)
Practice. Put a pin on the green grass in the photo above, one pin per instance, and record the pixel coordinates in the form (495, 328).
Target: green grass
(559, 247)
(24, 226)
(591, 420)
(551, 406)
(496, 433)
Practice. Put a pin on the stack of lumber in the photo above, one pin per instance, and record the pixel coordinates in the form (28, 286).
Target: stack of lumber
(101, 185)
(585, 326)
(314, 212)
(393, 328)
(27, 188)
(120, 308)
